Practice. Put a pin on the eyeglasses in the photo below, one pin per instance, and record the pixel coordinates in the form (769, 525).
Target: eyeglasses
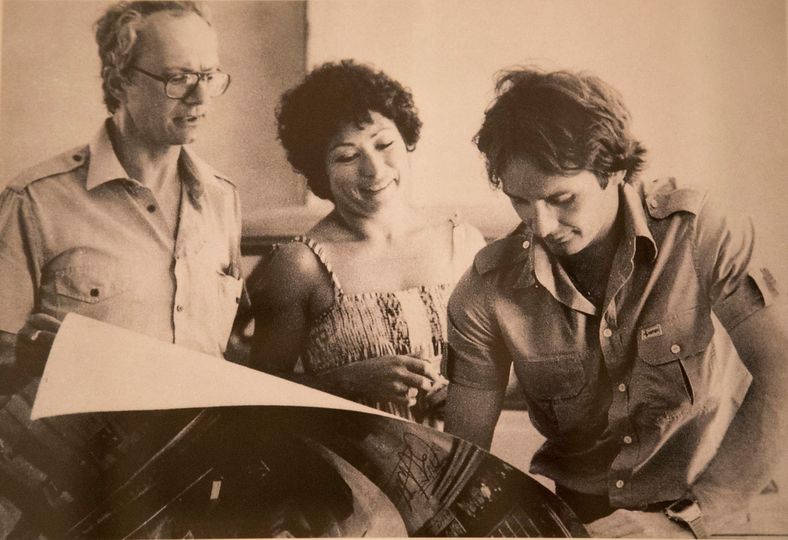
(180, 85)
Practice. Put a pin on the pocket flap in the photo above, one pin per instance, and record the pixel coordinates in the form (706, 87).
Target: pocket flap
(673, 338)
(555, 376)
(86, 274)
(86, 285)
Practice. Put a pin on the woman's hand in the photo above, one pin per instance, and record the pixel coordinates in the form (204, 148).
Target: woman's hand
(386, 378)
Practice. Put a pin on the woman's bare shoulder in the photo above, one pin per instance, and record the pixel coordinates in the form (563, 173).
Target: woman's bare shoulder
(470, 236)
(464, 239)
(452, 225)
(290, 273)
(330, 230)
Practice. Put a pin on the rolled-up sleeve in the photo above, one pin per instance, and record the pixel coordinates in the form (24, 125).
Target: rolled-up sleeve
(738, 284)
(17, 265)
(477, 355)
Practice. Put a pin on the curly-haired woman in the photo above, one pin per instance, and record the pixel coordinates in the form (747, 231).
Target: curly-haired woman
(361, 299)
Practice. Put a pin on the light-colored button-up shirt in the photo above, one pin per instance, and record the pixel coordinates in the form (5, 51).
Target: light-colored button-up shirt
(633, 396)
(78, 235)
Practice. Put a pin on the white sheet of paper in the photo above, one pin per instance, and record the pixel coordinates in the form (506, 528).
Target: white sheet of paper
(96, 367)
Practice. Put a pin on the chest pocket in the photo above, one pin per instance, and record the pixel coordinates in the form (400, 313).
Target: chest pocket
(86, 284)
(555, 376)
(229, 296)
(556, 388)
(83, 280)
(675, 350)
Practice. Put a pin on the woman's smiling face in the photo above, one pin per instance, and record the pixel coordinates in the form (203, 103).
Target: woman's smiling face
(367, 167)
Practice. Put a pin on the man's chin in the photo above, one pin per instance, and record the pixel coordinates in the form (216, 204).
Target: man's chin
(562, 249)
(183, 138)
(186, 135)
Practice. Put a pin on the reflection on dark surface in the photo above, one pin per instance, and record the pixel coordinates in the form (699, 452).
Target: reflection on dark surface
(267, 472)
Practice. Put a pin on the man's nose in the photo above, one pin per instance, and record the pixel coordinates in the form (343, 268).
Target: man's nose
(198, 94)
(544, 219)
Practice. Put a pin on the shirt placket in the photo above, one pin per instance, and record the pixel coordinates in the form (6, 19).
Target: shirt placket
(613, 345)
(184, 244)
(620, 474)
(150, 213)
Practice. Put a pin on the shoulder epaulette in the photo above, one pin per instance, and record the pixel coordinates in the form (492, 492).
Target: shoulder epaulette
(219, 175)
(200, 168)
(224, 178)
(62, 163)
(666, 196)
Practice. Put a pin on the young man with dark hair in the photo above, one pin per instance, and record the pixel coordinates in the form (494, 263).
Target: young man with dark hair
(646, 337)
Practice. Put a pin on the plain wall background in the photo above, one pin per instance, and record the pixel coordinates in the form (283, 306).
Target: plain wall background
(51, 96)
(705, 81)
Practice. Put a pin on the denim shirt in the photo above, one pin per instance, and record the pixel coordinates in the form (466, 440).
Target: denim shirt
(634, 397)
(79, 235)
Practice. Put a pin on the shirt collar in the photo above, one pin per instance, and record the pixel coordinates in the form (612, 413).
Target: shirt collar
(194, 172)
(522, 251)
(545, 270)
(105, 167)
(635, 221)
(552, 276)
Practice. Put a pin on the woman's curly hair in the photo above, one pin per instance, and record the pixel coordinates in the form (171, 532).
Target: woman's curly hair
(330, 97)
(565, 122)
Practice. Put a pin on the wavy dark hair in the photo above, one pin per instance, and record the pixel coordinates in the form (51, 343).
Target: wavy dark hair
(330, 97)
(117, 32)
(565, 122)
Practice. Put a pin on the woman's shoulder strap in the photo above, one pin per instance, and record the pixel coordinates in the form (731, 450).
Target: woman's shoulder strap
(466, 240)
(317, 249)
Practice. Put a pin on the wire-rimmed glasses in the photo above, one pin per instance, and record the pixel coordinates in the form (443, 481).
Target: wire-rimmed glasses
(180, 85)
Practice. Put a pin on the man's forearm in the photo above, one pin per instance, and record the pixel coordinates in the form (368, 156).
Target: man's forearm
(752, 446)
(472, 414)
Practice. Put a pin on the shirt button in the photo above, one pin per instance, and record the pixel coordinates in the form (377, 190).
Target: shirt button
(627, 439)
(622, 387)
(619, 484)
(607, 332)
(77, 157)
(94, 293)
(675, 348)
(151, 208)
(526, 244)
(179, 307)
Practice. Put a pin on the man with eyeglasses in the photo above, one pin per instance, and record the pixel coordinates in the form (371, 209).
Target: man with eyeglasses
(132, 229)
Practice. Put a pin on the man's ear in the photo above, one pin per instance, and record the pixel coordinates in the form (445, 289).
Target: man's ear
(116, 83)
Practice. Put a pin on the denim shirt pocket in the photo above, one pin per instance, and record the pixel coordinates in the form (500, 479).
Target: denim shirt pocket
(553, 384)
(675, 350)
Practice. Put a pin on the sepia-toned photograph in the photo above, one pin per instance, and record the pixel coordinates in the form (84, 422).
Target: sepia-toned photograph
(393, 268)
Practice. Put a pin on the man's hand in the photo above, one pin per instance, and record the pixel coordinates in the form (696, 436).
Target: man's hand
(632, 524)
(34, 341)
